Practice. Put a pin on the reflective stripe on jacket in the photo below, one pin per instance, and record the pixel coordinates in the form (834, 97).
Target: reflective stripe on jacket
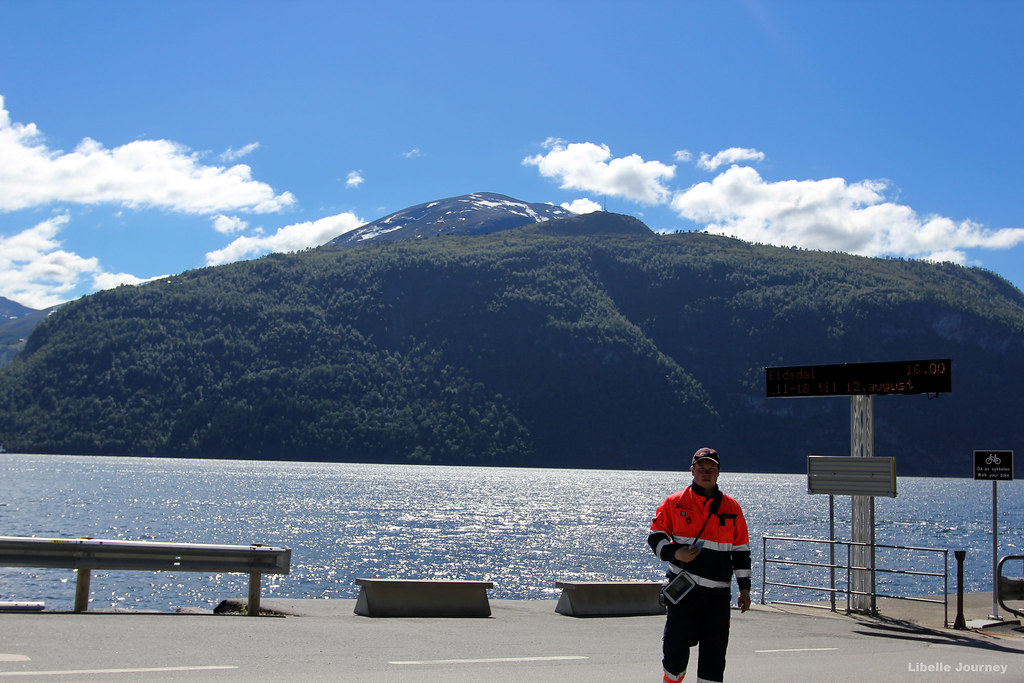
(726, 544)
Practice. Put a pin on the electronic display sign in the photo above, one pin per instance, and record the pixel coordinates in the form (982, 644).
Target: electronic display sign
(851, 379)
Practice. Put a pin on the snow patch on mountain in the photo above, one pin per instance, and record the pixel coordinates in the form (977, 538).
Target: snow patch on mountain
(473, 214)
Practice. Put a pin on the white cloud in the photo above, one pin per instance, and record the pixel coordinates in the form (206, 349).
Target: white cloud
(733, 155)
(412, 153)
(143, 173)
(354, 179)
(581, 206)
(231, 154)
(589, 167)
(228, 225)
(293, 237)
(111, 280)
(947, 255)
(36, 272)
(831, 215)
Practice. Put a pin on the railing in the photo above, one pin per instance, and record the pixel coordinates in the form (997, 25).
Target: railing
(86, 554)
(1010, 587)
(850, 567)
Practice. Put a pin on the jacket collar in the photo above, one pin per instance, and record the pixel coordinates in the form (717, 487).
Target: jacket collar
(707, 493)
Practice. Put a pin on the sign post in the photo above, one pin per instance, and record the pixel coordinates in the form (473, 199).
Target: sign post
(995, 466)
(861, 478)
(861, 382)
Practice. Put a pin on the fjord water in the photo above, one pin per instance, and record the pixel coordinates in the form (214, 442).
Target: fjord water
(523, 529)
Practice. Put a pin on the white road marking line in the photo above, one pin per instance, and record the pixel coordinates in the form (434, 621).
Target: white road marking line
(492, 660)
(84, 672)
(14, 658)
(799, 649)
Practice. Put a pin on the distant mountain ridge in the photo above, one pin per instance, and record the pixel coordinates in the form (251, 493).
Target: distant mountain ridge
(586, 341)
(16, 324)
(478, 213)
(12, 310)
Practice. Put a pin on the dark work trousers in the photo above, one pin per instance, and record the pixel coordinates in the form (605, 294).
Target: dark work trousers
(700, 617)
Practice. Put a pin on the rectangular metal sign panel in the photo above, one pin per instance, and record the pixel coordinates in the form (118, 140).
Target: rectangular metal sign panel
(848, 476)
(851, 379)
(996, 465)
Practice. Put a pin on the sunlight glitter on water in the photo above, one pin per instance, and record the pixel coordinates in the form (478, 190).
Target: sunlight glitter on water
(523, 529)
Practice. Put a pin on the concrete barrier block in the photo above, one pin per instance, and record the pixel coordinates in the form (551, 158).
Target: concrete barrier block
(422, 598)
(609, 598)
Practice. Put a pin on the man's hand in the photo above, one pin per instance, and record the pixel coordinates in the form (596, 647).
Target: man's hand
(744, 601)
(686, 553)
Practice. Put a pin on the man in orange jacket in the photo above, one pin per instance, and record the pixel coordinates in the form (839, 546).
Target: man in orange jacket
(701, 532)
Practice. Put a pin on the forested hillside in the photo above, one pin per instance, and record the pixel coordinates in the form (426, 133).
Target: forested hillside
(557, 344)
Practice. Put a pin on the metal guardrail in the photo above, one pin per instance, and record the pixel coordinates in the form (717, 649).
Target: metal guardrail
(849, 567)
(1010, 587)
(86, 554)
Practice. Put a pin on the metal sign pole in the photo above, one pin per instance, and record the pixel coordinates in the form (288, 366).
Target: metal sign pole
(995, 550)
(862, 508)
(832, 548)
(994, 465)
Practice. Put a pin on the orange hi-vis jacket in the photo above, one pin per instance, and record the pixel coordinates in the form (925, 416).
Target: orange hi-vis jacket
(726, 549)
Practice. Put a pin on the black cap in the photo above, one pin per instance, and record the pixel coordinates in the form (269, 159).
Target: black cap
(706, 454)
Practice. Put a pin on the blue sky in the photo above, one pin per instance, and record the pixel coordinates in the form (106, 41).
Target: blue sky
(142, 139)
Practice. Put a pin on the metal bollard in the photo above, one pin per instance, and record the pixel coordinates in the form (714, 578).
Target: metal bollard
(959, 622)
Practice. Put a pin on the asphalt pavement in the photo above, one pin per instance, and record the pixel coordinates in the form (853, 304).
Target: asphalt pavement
(523, 640)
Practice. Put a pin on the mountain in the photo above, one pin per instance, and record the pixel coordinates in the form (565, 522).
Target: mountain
(11, 310)
(16, 323)
(472, 214)
(581, 342)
